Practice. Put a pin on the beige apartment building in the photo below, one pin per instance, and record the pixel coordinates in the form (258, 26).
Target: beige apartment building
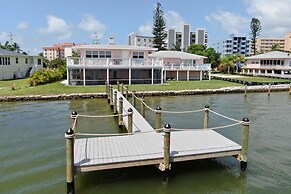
(56, 51)
(265, 44)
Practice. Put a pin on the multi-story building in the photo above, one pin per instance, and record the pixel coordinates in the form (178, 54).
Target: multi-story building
(56, 51)
(235, 44)
(184, 38)
(136, 40)
(265, 44)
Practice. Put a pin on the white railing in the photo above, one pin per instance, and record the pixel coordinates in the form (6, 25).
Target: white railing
(275, 67)
(75, 61)
(205, 67)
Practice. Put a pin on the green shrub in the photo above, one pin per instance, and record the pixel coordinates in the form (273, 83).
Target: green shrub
(45, 76)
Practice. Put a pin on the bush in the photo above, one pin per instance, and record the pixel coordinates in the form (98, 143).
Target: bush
(45, 76)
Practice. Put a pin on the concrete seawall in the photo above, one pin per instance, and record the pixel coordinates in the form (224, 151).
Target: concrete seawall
(240, 89)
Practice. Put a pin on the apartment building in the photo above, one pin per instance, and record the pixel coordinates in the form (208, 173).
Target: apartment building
(235, 44)
(184, 38)
(56, 51)
(265, 44)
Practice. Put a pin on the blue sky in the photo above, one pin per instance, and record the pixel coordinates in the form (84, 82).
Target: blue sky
(38, 23)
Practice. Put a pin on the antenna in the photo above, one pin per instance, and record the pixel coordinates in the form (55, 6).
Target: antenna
(96, 40)
(10, 38)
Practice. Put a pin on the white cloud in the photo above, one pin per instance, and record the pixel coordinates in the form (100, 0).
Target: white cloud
(230, 22)
(146, 29)
(5, 36)
(22, 25)
(174, 20)
(90, 24)
(275, 16)
(57, 26)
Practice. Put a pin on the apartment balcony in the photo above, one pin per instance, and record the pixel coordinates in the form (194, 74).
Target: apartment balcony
(113, 63)
(198, 67)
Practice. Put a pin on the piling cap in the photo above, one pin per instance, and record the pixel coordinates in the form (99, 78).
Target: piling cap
(74, 113)
(70, 131)
(167, 126)
(158, 108)
(206, 106)
(246, 119)
(115, 92)
(129, 110)
(120, 98)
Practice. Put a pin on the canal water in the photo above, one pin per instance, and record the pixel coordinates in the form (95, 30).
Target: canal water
(32, 144)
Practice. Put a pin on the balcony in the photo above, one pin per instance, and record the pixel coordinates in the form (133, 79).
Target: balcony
(200, 67)
(112, 62)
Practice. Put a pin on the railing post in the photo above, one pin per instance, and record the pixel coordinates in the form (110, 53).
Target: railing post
(122, 89)
(108, 94)
(120, 117)
(70, 160)
(126, 92)
(118, 87)
(106, 88)
(133, 98)
(142, 108)
(115, 103)
(206, 116)
(129, 121)
(269, 89)
(111, 96)
(167, 141)
(74, 120)
(246, 89)
(290, 89)
(158, 117)
(245, 143)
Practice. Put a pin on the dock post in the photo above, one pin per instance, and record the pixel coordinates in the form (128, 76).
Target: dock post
(126, 92)
(120, 117)
(115, 103)
(142, 108)
(245, 142)
(290, 90)
(111, 95)
(133, 98)
(206, 116)
(129, 124)
(246, 89)
(70, 160)
(106, 88)
(158, 118)
(74, 120)
(167, 152)
(122, 89)
(108, 92)
(269, 89)
(118, 87)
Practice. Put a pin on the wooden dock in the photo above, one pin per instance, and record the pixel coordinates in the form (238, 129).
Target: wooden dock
(146, 146)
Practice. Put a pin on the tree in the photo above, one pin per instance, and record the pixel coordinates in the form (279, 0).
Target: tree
(15, 47)
(159, 28)
(177, 47)
(227, 64)
(238, 59)
(275, 47)
(256, 28)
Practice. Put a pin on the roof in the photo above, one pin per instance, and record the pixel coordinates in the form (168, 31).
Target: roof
(175, 55)
(272, 55)
(114, 47)
(4, 52)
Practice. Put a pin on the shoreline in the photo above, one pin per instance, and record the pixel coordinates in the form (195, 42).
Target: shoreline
(234, 89)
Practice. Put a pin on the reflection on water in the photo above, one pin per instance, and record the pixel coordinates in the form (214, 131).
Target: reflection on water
(33, 147)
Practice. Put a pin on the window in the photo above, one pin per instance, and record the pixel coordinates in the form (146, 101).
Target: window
(0, 60)
(16, 60)
(26, 61)
(101, 54)
(39, 61)
(108, 54)
(139, 55)
(88, 54)
(95, 54)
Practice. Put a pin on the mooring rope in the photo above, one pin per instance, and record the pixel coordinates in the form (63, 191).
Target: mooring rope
(180, 112)
(212, 128)
(226, 117)
(101, 135)
(102, 116)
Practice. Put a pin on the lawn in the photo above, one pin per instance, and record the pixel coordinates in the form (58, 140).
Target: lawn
(261, 79)
(21, 87)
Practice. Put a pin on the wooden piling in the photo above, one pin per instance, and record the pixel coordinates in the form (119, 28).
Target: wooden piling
(111, 95)
(245, 142)
(129, 120)
(142, 107)
(108, 91)
(269, 89)
(206, 116)
(118, 87)
(74, 121)
(167, 141)
(133, 98)
(120, 117)
(158, 118)
(70, 161)
(246, 89)
(126, 92)
(106, 88)
(290, 90)
(122, 89)
(115, 103)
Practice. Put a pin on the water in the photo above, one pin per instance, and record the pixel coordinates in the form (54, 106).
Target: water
(32, 147)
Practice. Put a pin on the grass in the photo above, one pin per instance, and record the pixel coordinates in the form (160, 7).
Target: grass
(22, 87)
(261, 79)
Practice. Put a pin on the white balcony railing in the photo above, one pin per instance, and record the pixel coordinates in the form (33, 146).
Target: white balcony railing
(274, 67)
(205, 67)
(74, 61)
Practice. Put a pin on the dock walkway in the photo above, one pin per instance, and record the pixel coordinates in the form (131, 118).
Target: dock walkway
(145, 146)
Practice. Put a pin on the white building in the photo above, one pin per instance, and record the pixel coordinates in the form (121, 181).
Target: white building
(137, 40)
(15, 65)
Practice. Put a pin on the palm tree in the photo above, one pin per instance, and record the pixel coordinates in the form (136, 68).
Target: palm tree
(275, 47)
(227, 64)
(15, 47)
(238, 59)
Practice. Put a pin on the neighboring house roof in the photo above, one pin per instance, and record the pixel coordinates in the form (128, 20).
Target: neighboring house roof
(272, 55)
(114, 47)
(175, 55)
(4, 52)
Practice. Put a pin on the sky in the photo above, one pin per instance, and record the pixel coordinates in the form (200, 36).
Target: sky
(38, 23)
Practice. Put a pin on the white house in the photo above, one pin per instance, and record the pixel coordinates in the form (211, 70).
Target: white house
(15, 65)
(271, 63)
